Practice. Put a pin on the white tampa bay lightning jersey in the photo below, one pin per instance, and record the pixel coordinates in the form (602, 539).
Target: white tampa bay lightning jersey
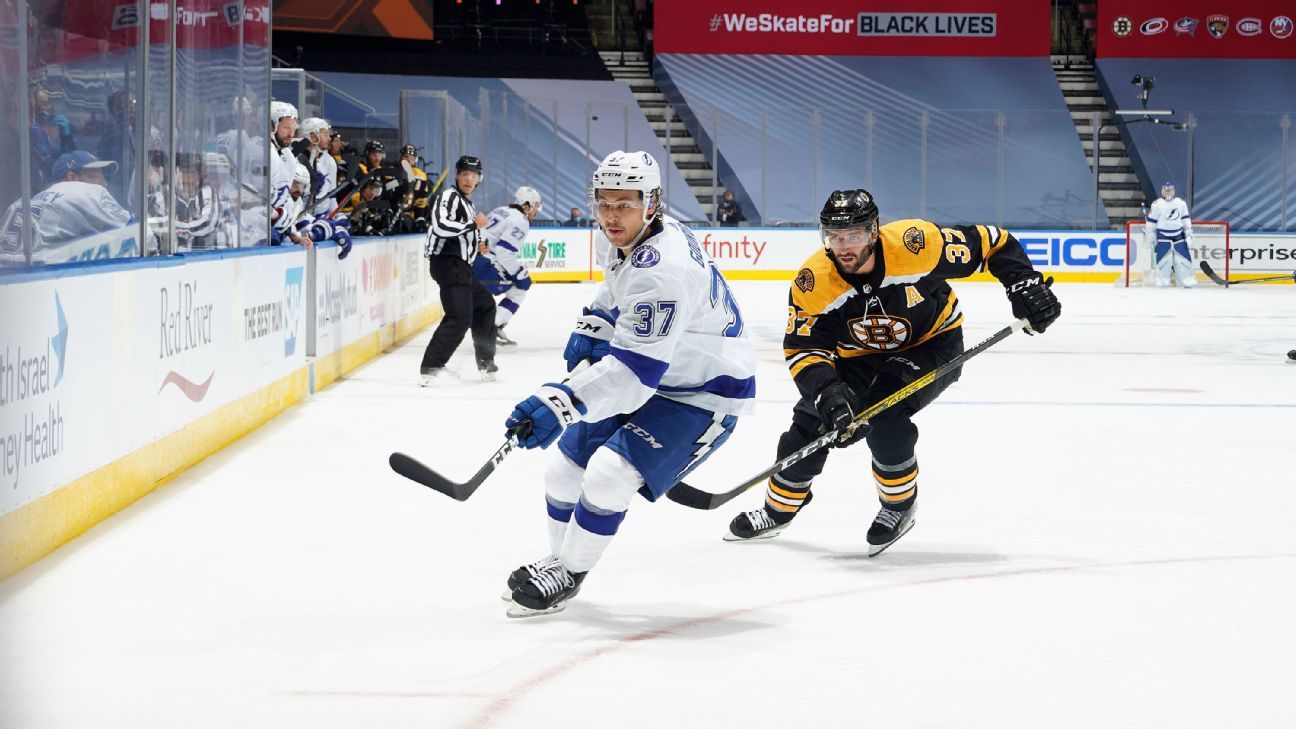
(1169, 217)
(506, 230)
(282, 166)
(61, 214)
(679, 333)
(326, 178)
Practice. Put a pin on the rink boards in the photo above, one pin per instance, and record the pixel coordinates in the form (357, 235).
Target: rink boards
(117, 376)
(572, 254)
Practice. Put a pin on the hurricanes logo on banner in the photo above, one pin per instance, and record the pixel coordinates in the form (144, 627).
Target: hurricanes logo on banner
(880, 332)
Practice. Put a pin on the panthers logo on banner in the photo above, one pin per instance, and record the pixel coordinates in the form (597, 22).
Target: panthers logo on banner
(1217, 26)
(805, 280)
(880, 332)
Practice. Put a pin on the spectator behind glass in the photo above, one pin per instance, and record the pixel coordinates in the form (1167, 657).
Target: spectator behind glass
(51, 135)
(576, 220)
(728, 213)
(69, 213)
(118, 141)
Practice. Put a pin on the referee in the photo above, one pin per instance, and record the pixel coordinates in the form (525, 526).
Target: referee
(451, 247)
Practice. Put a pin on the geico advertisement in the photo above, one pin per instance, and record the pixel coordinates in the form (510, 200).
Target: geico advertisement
(1105, 250)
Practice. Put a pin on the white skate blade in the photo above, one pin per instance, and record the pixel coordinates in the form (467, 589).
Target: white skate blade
(731, 537)
(521, 611)
(445, 377)
(876, 549)
(487, 376)
(507, 595)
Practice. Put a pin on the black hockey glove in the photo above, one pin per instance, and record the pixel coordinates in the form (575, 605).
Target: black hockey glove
(1033, 300)
(834, 407)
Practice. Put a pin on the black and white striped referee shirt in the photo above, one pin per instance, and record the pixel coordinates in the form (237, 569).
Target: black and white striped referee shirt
(452, 230)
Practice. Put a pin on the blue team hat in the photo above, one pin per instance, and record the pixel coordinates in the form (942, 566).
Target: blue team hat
(80, 160)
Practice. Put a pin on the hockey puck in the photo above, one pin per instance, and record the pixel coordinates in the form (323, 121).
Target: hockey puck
(1291, 356)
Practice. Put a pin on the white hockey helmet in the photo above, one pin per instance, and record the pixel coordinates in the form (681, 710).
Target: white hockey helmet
(527, 195)
(630, 171)
(281, 109)
(312, 125)
(302, 175)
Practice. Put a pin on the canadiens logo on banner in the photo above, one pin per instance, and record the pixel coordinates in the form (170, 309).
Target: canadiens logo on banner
(1186, 26)
(1154, 26)
(645, 256)
(914, 240)
(1280, 27)
(1250, 26)
(1122, 26)
(804, 280)
(1217, 26)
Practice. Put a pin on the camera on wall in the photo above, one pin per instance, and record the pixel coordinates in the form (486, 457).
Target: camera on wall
(1145, 84)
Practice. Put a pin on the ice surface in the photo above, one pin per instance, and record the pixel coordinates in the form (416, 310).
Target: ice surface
(1106, 540)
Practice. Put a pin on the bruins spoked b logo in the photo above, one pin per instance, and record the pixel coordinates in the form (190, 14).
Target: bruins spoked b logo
(881, 333)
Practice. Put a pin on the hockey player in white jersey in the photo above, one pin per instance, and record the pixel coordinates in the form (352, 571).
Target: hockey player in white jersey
(322, 166)
(283, 127)
(673, 368)
(1169, 231)
(68, 216)
(498, 267)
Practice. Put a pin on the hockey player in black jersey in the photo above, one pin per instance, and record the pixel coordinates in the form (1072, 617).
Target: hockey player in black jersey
(869, 313)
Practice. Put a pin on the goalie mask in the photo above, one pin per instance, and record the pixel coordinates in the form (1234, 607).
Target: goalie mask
(1168, 191)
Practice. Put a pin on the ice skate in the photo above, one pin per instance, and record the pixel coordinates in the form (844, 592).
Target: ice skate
(888, 526)
(546, 593)
(432, 376)
(525, 573)
(761, 523)
(487, 368)
(502, 339)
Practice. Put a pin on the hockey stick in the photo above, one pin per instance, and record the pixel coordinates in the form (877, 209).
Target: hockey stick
(414, 470)
(694, 498)
(1210, 272)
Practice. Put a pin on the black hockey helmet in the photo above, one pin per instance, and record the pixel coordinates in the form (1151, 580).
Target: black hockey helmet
(468, 162)
(373, 145)
(849, 209)
(409, 149)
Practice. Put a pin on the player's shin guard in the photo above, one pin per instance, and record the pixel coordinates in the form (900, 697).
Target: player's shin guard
(588, 536)
(784, 499)
(897, 484)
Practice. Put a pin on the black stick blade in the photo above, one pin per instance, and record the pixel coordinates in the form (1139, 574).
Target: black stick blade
(694, 498)
(1210, 273)
(419, 473)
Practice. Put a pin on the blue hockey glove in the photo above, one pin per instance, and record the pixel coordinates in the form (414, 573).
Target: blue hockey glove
(592, 339)
(551, 409)
(343, 239)
(64, 126)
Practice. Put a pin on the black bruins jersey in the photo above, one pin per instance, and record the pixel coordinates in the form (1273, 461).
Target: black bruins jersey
(904, 302)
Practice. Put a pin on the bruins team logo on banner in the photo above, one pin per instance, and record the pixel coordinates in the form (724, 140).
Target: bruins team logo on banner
(881, 333)
(914, 240)
(804, 280)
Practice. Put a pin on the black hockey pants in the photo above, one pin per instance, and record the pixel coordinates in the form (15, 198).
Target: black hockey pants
(891, 434)
(467, 304)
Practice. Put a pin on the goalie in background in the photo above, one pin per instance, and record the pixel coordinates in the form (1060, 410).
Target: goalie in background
(498, 267)
(1169, 231)
(869, 313)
